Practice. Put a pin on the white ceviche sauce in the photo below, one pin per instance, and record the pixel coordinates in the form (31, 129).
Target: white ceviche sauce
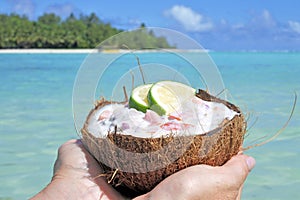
(195, 117)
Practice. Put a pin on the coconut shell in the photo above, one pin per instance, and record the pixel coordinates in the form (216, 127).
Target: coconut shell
(136, 165)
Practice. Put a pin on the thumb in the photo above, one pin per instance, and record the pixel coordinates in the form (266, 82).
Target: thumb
(240, 165)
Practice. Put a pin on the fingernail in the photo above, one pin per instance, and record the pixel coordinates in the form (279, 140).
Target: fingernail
(250, 163)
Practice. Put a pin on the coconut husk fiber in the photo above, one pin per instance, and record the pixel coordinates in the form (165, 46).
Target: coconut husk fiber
(136, 165)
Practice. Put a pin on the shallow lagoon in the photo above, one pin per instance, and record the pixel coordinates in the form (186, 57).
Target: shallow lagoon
(36, 117)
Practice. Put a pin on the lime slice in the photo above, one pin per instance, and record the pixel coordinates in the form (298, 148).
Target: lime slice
(138, 98)
(166, 97)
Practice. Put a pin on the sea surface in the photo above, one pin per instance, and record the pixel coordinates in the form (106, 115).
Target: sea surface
(36, 114)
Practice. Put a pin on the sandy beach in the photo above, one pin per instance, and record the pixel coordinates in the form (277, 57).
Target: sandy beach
(86, 51)
(31, 51)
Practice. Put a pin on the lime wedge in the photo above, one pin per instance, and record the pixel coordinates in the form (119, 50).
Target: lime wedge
(166, 97)
(138, 98)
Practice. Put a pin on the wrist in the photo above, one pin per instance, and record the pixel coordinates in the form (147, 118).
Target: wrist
(68, 187)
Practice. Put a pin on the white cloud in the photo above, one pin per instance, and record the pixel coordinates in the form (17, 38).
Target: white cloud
(238, 26)
(264, 20)
(294, 26)
(261, 31)
(25, 7)
(268, 19)
(223, 22)
(189, 19)
(63, 10)
(260, 25)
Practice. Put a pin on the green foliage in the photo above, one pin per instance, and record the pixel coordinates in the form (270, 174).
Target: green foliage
(50, 31)
(139, 39)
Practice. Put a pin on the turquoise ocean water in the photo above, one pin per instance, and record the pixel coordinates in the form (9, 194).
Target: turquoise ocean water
(36, 117)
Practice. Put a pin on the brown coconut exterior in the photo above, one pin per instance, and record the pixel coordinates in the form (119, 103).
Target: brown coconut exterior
(212, 148)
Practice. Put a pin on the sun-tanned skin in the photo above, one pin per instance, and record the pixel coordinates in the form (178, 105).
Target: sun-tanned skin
(76, 177)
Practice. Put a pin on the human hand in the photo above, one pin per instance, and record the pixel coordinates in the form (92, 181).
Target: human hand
(205, 182)
(76, 176)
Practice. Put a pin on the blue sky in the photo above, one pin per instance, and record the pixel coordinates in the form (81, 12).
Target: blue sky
(215, 24)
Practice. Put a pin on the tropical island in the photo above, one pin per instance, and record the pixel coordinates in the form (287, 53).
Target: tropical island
(49, 31)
